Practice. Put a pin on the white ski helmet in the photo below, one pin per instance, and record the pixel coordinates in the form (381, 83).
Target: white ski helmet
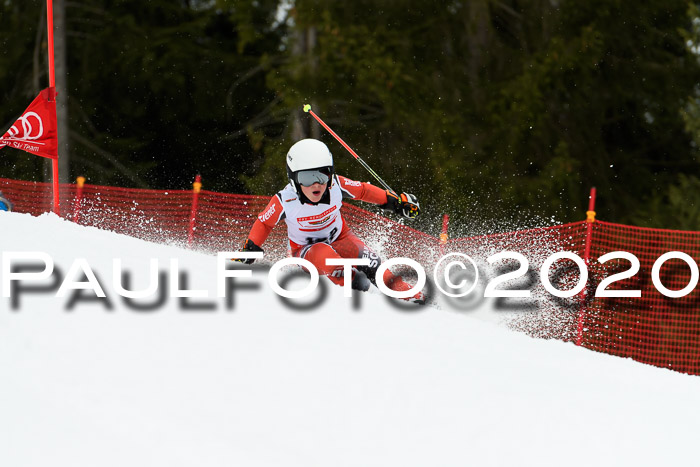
(308, 155)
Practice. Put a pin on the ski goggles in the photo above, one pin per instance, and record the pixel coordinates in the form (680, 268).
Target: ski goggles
(309, 177)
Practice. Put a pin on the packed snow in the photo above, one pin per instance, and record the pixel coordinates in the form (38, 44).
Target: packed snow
(252, 381)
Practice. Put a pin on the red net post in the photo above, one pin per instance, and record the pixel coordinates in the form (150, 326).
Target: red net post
(196, 188)
(80, 182)
(590, 219)
(443, 234)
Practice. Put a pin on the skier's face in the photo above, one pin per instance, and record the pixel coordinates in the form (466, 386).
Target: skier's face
(314, 192)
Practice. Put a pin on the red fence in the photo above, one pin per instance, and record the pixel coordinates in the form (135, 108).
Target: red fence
(654, 329)
(221, 221)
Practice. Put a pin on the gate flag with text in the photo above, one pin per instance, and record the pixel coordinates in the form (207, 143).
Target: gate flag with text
(35, 131)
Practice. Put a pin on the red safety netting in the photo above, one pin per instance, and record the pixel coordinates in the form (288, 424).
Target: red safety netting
(654, 329)
(541, 315)
(221, 221)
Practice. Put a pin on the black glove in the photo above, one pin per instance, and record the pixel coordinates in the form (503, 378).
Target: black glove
(249, 245)
(405, 204)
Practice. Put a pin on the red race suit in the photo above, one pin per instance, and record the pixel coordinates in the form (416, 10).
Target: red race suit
(317, 231)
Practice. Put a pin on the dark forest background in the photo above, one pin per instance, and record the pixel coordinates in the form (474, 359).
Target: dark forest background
(499, 112)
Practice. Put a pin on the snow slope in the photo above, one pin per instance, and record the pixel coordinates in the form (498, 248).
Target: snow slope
(262, 384)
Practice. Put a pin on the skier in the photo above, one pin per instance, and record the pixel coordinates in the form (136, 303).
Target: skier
(310, 205)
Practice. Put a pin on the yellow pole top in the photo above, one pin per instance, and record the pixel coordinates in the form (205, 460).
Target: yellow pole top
(81, 181)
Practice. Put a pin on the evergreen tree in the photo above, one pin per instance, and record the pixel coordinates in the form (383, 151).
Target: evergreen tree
(487, 110)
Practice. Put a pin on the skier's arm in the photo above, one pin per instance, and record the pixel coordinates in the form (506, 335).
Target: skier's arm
(405, 204)
(259, 232)
(262, 227)
(362, 191)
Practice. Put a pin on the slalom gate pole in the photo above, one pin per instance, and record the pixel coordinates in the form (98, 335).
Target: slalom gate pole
(52, 85)
(590, 219)
(307, 109)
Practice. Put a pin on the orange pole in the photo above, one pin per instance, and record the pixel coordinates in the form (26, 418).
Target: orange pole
(80, 181)
(590, 219)
(52, 84)
(443, 235)
(196, 188)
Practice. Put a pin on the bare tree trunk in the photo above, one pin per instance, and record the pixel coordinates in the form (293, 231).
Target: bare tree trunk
(302, 126)
(313, 64)
(478, 23)
(60, 24)
(36, 57)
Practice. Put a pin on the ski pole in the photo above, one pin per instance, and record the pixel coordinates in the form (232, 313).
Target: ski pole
(307, 109)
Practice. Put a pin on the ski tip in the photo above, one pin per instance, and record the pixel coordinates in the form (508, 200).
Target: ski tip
(307, 107)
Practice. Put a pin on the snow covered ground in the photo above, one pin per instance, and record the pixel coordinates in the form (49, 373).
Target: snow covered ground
(258, 383)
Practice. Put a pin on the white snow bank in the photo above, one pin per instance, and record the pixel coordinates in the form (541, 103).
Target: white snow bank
(264, 385)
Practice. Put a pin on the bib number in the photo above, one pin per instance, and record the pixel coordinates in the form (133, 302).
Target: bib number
(329, 239)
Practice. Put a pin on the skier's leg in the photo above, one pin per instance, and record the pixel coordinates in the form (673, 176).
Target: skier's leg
(318, 253)
(348, 245)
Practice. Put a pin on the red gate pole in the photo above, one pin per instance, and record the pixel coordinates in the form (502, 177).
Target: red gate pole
(196, 187)
(80, 181)
(52, 84)
(590, 219)
(443, 235)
